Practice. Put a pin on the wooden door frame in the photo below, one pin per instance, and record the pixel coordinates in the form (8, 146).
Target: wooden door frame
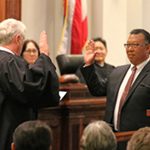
(10, 9)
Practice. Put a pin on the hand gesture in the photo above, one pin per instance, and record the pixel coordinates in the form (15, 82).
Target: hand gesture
(89, 55)
(43, 43)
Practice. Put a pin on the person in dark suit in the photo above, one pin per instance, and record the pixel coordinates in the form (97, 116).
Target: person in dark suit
(102, 68)
(23, 88)
(32, 135)
(132, 115)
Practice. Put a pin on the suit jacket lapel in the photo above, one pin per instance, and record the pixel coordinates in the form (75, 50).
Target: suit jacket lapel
(142, 74)
(123, 71)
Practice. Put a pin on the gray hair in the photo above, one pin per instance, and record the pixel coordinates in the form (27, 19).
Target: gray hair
(98, 135)
(9, 28)
(140, 140)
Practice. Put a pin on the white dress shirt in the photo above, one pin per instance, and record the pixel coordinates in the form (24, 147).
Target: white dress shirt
(6, 50)
(122, 87)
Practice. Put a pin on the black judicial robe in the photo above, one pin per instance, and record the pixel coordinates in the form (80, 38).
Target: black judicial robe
(102, 71)
(24, 89)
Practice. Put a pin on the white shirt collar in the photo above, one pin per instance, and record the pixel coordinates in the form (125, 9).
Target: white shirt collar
(141, 65)
(6, 50)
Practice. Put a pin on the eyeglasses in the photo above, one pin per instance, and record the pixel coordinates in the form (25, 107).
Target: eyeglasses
(134, 45)
(31, 51)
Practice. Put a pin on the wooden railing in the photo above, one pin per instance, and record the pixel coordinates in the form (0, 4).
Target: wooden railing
(124, 136)
(76, 110)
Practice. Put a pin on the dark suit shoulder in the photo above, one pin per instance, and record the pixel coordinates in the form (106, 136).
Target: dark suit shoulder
(109, 65)
(121, 68)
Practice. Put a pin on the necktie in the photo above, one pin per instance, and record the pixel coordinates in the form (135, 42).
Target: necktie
(125, 93)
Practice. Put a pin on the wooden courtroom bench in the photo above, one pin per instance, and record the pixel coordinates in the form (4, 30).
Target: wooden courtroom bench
(76, 110)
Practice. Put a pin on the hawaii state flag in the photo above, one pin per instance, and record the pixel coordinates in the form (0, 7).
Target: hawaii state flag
(75, 30)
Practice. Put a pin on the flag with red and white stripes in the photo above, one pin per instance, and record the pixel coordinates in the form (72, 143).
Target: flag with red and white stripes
(75, 29)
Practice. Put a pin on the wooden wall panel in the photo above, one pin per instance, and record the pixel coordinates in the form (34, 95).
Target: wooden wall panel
(10, 9)
(2, 9)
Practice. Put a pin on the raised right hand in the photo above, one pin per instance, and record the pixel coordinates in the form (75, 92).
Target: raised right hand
(43, 43)
(89, 55)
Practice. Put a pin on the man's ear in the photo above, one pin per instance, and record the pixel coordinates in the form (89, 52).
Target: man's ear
(13, 147)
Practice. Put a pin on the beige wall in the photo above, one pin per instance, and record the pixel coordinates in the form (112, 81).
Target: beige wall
(43, 15)
(112, 19)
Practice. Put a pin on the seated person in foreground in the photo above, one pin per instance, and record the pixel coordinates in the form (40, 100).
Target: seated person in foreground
(98, 135)
(102, 68)
(140, 140)
(32, 135)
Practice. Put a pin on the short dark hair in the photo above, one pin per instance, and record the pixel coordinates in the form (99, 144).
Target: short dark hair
(25, 45)
(96, 39)
(142, 31)
(32, 135)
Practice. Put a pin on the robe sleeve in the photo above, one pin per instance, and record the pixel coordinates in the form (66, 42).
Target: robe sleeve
(37, 84)
(96, 86)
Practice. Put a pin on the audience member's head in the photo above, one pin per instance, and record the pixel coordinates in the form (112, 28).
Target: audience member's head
(12, 34)
(140, 140)
(30, 51)
(32, 135)
(98, 135)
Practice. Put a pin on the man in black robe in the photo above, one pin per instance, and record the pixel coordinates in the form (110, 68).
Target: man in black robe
(101, 67)
(23, 88)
